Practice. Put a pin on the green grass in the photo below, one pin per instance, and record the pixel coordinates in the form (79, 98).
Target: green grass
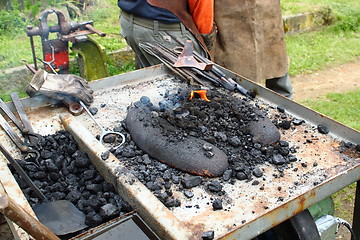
(343, 107)
(309, 52)
(335, 44)
(15, 45)
(106, 19)
(344, 197)
(290, 7)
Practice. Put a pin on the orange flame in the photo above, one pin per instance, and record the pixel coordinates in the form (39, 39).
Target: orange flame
(201, 93)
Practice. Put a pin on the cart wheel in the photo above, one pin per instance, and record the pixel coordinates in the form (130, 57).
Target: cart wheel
(299, 227)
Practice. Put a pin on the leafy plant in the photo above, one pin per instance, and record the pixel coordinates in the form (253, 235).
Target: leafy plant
(11, 22)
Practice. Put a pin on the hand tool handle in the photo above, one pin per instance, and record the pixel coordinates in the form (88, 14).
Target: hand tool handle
(10, 114)
(98, 32)
(91, 116)
(22, 173)
(20, 109)
(13, 136)
(30, 67)
(23, 219)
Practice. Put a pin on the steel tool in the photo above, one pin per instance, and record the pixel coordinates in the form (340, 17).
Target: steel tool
(104, 132)
(24, 126)
(60, 216)
(22, 218)
(228, 83)
(27, 130)
(27, 149)
(191, 65)
(186, 59)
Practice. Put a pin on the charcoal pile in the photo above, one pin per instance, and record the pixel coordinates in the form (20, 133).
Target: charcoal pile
(222, 122)
(66, 173)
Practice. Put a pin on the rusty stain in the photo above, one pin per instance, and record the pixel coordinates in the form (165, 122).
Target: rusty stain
(330, 162)
(197, 229)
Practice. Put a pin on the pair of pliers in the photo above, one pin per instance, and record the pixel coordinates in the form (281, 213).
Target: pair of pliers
(31, 146)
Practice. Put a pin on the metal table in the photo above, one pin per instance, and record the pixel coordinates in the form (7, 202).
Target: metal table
(248, 210)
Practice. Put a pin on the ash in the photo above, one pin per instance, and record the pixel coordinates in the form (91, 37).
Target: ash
(66, 173)
(222, 122)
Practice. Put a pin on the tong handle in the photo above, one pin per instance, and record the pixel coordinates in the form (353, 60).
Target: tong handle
(10, 114)
(22, 173)
(14, 137)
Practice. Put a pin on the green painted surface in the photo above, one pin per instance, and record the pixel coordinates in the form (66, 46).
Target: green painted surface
(92, 59)
(324, 207)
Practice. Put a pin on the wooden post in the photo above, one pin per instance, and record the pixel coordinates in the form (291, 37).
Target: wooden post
(24, 220)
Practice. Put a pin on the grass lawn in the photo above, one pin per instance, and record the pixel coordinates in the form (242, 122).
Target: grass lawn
(343, 107)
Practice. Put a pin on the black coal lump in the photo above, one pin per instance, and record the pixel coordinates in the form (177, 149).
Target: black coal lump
(322, 129)
(217, 204)
(109, 211)
(66, 173)
(209, 235)
(215, 186)
(191, 181)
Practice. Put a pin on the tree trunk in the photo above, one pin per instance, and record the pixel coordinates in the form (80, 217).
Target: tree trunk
(2, 4)
(21, 3)
(8, 5)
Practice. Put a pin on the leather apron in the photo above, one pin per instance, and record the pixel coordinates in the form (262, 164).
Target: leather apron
(250, 39)
(179, 9)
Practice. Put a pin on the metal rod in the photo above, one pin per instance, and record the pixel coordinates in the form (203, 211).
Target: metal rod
(22, 173)
(356, 216)
(219, 73)
(98, 32)
(10, 114)
(13, 136)
(33, 51)
(28, 66)
(24, 118)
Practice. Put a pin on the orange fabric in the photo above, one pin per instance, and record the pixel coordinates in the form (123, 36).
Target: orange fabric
(202, 12)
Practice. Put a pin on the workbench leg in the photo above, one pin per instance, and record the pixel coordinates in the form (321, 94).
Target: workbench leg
(356, 216)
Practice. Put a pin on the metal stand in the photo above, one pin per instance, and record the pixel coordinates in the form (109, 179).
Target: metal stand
(356, 216)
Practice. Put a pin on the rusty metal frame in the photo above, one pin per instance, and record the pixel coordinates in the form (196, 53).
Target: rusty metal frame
(170, 224)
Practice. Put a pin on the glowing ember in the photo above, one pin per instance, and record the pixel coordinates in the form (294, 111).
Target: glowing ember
(201, 93)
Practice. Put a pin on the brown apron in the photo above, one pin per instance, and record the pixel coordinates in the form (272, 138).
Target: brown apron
(179, 9)
(250, 38)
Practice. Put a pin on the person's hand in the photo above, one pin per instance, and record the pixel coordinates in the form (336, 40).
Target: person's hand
(63, 87)
(209, 38)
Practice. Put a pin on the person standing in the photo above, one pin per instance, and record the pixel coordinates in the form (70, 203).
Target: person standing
(250, 41)
(167, 22)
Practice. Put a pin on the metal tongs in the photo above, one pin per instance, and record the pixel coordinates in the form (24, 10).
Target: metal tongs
(104, 132)
(30, 146)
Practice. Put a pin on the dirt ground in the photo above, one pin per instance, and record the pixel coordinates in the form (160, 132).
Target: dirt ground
(339, 79)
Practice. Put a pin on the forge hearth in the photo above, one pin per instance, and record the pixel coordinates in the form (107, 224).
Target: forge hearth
(269, 187)
(225, 137)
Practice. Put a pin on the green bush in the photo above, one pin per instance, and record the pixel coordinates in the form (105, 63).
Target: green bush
(348, 20)
(11, 22)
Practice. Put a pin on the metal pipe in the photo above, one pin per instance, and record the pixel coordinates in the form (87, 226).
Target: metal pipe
(356, 216)
(33, 51)
(22, 173)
